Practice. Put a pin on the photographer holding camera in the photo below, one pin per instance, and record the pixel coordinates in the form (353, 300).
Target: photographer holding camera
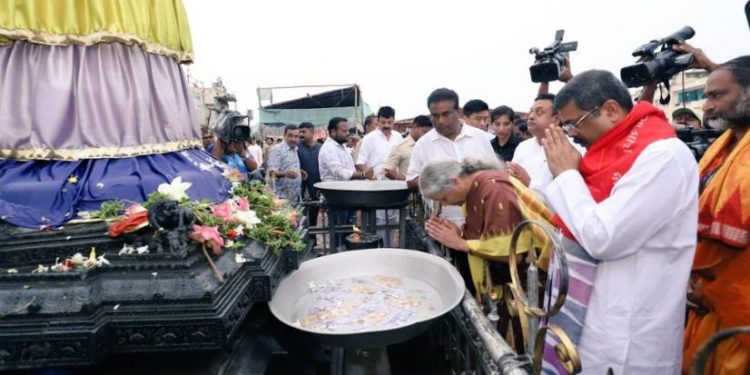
(231, 134)
(233, 153)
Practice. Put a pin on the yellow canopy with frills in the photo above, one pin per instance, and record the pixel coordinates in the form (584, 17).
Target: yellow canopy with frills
(157, 26)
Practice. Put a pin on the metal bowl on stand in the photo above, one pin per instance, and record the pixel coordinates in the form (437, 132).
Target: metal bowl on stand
(292, 299)
(364, 193)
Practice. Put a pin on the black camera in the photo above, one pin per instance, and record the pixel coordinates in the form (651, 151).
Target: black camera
(698, 140)
(229, 125)
(550, 61)
(658, 66)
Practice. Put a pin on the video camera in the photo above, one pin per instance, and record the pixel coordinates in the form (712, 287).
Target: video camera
(550, 61)
(229, 125)
(658, 66)
(698, 140)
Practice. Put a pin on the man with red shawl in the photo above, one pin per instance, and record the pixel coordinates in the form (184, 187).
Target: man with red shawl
(631, 206)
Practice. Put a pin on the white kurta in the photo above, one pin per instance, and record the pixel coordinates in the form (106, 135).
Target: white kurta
(375, 149)
(644, 234)
(470, 142)
(373, 154)
(530, 155)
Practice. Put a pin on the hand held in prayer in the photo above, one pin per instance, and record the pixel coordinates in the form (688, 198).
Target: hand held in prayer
(446, 233)
(561, 155)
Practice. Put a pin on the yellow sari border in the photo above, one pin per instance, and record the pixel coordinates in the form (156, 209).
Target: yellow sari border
(97, 152)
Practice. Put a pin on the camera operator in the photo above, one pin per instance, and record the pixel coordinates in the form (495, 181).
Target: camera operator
(700, 61)
(233, 153)
(565, 75)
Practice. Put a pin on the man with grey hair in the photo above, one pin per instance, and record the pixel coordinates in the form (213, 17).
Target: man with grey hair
(631, 205)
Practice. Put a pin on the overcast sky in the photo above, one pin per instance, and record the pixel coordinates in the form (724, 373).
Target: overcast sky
(398, 51)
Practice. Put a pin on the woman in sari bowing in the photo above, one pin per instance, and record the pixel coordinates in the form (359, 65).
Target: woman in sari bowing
(494, 204)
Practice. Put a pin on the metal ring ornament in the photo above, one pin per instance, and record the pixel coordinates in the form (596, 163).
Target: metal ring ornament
(701, 358)
(565, 351)
(517, 290)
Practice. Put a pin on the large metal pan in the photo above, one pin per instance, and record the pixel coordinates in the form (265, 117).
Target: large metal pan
(365, 193)
(289, 305)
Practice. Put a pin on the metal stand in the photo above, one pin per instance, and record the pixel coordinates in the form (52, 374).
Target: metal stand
(369, 224)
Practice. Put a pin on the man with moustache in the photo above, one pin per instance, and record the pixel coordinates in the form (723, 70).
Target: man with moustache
(283, 166)
(449, 138)
(374, 152)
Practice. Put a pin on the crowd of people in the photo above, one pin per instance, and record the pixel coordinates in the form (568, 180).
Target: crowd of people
(651, 236)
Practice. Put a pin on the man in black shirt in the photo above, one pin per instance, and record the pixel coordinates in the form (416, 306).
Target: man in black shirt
(308, 151)
(506, 140)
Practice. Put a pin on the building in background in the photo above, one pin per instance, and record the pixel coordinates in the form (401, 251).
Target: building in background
(345, 101)
(686, 89)
(205, 98)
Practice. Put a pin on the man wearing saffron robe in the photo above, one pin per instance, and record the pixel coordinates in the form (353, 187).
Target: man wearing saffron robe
(720, 283)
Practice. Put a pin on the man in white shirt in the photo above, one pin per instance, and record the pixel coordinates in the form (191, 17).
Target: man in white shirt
(374, 152)
(255, 151)
(631, 204)
(529, 163)
(336, 164)
(449, 138)
(378, 144)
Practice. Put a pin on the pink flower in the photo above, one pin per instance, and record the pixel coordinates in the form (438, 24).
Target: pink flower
(223, 211)
(134, 209)
(243, 204)
(208, 236)
(292, 216)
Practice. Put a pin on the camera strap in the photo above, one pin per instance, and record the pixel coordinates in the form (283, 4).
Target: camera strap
(662, 99)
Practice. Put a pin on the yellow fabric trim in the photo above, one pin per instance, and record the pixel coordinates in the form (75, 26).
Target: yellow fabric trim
(499, 246)
(97, 152)
(476, 268)
(157, 26)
